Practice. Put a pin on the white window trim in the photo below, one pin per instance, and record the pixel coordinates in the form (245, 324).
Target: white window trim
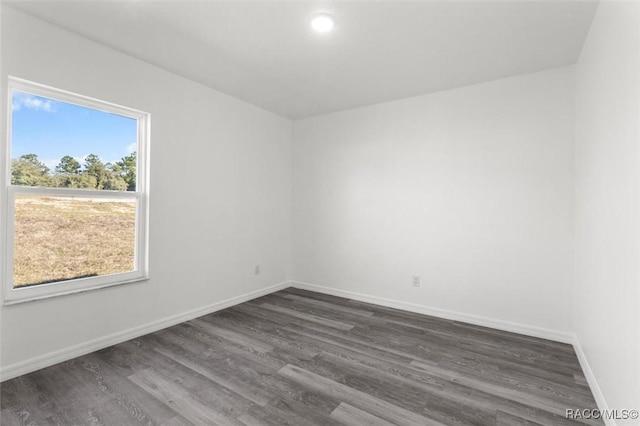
(140, 272)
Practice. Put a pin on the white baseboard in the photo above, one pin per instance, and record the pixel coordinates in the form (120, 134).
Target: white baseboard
(46, 360)
(591, 379)
(529, 330)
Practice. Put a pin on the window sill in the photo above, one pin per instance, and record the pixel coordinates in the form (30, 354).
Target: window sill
(16, 296)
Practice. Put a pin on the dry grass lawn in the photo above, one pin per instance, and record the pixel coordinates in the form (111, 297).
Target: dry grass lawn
(59, 238)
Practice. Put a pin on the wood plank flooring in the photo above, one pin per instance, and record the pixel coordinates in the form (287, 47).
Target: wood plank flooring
(302, 358)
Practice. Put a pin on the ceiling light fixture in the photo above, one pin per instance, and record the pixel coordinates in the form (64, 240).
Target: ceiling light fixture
(322, 22)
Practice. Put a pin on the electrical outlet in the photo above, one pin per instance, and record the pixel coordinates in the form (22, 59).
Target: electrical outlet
(256, 269)
(415, 281)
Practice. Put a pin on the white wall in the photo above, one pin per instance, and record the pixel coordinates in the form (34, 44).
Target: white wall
(220, 192)
(472, 189)
(607, 204)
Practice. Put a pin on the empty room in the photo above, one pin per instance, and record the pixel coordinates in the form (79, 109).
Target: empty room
(317, 213)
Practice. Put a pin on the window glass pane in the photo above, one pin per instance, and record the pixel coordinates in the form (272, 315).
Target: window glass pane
(58, 144)
(62, 238)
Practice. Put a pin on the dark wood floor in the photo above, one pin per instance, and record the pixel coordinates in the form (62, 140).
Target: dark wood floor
(301, 358)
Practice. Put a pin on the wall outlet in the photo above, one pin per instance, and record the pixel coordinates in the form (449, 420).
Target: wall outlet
(415, 281)
(256, 269)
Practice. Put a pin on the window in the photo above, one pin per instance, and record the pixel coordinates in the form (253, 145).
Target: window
(76, 193)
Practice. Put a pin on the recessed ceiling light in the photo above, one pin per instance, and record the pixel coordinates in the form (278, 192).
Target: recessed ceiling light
(322, 22)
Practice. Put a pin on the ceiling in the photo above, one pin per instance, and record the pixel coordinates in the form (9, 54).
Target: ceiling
(264, 52)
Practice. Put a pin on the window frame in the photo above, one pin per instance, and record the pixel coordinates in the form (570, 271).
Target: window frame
(140, 272)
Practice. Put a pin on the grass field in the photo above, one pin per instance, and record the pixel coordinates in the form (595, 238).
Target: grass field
(60, 238)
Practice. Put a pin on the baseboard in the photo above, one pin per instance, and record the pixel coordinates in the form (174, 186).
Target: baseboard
(529, 330)
(591, 379)
(46, 360)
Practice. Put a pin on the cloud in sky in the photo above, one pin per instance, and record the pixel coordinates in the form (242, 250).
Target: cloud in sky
(50, 162)
(132, 147)
(36, 103)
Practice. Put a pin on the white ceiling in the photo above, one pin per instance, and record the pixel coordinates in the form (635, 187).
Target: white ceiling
(265, 53)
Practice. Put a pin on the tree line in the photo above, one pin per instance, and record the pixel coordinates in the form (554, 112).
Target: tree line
(69, 173)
